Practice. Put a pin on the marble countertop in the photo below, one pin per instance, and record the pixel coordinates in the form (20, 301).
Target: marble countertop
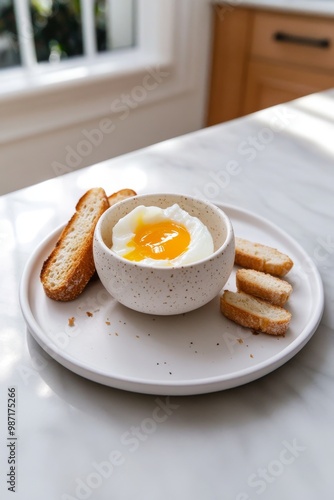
(321, 7)
(271, 438)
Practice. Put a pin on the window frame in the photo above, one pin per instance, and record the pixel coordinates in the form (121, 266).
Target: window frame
(25, 36)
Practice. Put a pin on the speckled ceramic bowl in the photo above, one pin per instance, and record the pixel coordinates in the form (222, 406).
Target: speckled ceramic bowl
(165, 291)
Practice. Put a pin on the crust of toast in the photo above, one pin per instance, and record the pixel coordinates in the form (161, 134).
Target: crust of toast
(69, 267)
(254, 313)
(120, 195)
(261, 258)
(263, 285)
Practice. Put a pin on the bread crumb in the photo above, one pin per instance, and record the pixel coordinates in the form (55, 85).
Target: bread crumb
(89, 314)
(71, 321)
(240, 341)
(107, 322)
(251, 356)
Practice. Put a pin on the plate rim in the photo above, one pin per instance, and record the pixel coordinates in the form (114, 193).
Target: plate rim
(181, 386)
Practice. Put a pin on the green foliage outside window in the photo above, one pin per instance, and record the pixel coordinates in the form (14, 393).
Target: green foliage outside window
(56, 30)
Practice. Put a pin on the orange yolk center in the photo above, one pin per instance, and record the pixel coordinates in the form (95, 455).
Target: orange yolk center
(164, 240)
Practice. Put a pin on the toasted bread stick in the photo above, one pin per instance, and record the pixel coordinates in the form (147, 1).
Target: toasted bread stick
(69, 267)
(261, 258)
(120, 195)
(263, 285)
(251, 312)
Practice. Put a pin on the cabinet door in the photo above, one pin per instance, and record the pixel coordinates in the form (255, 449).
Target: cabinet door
(269, 84)
(230, 46)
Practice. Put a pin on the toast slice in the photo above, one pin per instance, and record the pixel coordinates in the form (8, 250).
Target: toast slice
(120, 195)
(69, 267)
(261, 258)
(263, 285)
(251, 312)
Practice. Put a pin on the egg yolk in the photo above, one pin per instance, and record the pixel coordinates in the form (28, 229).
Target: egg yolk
(163, 240)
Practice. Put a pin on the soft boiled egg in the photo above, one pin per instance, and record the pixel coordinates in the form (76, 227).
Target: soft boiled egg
(161, 237)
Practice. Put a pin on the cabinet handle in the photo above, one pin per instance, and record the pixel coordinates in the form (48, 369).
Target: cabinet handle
(321, 43)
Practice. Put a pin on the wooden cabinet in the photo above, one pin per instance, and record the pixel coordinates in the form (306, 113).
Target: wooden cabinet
(262, 58)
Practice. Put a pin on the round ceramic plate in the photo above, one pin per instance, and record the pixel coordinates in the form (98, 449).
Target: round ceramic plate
(193, 353)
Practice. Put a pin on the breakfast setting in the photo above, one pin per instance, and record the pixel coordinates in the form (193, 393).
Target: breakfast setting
(164, 259)
(167, 242)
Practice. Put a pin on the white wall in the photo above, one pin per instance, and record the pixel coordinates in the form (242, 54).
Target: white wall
(50, 133)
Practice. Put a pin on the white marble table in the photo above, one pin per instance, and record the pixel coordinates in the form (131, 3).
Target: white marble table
(272, 438)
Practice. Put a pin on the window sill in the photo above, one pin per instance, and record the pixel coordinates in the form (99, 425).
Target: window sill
(70, 97)
(16, 83)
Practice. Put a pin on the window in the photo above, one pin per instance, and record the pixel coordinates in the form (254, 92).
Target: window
(40, 97)
(37, 32)
(151, 91)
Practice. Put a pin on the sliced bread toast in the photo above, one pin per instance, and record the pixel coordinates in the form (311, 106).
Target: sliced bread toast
(263, 285)
(261, 257)
(120, 195)
(69, 267)
(254, 313)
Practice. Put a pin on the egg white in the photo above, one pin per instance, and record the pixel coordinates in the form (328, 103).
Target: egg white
(201, 242)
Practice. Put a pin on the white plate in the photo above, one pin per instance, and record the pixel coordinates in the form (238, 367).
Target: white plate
(198, 352)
